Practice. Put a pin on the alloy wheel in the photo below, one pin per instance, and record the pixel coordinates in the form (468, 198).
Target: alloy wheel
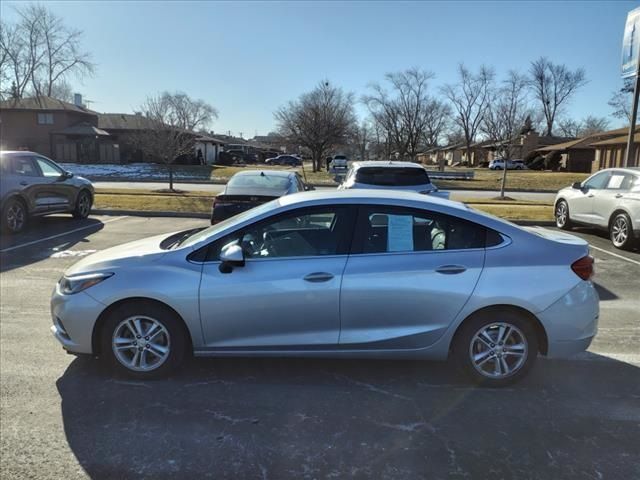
(141, 343)
(84, 204)
(561, 214)
(15, 217)
(498, 350)
(619, 231)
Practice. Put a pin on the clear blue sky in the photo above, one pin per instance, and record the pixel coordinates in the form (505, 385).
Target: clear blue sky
(248, 58)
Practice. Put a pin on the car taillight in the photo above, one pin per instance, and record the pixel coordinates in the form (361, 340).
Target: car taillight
(584, 267)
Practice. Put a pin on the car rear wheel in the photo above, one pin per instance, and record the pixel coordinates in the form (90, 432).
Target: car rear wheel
(621, 232)
(83, 205)
(14, 216)
(563, 220)
(496, 348)
(143, 340)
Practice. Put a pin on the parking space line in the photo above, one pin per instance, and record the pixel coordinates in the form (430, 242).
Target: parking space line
(622, 257)
(15, 247)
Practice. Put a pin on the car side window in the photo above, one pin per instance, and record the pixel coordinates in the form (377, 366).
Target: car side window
(315, 232)
(389, 229)
(25, 166)
(598, 181)
(48, 169)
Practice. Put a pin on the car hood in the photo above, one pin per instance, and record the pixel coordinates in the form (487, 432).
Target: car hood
(127, 254)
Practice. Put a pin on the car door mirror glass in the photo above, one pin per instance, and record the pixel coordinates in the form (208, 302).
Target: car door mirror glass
(577, 186)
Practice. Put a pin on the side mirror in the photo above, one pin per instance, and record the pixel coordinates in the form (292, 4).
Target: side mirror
(231, 256)
(308, 188)
(577, 186)
(65, 176)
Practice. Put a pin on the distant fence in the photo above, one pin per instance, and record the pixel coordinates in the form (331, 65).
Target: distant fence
(452, 175)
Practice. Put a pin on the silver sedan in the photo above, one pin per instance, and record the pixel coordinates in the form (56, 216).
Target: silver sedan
(608, 200)
(358, 273)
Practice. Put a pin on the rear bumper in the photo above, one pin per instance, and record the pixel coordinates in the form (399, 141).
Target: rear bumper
(220, 213)
(571, 322)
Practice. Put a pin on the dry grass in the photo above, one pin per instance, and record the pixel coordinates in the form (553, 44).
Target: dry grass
(486, 179)
(201, 202)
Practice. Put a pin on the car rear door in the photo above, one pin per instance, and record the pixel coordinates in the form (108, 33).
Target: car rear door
(606, 200)
(287, 294)
(29, 181)
(410, 273)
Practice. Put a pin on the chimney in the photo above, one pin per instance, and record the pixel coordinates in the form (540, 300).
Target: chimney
(77, 100)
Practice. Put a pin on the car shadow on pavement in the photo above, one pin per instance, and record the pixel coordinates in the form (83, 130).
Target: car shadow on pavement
(298, 418)
(32, 244)
(604, 293)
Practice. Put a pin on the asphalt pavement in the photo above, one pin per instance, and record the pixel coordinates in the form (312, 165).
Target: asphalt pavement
(217, 188)
(68, 417)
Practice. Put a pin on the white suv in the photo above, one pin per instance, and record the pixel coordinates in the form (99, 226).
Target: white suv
(498, 164)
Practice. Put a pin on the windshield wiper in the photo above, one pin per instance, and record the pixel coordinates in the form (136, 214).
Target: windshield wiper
(176, 240)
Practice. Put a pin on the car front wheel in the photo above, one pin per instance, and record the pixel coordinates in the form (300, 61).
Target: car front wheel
(621, 232)
(496, 348)
(143, 340)
(14, 216)
(83, 205)
(562, 215)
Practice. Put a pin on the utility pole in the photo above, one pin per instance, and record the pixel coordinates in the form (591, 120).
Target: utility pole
(629, 154)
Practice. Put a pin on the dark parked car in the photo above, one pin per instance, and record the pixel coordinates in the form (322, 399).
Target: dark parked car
(33, 185)
(290, 160)
(249, 189)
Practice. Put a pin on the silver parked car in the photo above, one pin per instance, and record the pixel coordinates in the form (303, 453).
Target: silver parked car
(609, 200)
(407, 176)
(361, 273)
(33, 185)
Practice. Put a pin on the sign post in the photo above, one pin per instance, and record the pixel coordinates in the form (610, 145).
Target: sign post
(631, 69)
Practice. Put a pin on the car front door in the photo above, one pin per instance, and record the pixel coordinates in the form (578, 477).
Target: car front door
(581, 203)
(55, 190)
(409, 275)
(286, 296)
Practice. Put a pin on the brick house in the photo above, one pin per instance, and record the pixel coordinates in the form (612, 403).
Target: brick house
(611, 152)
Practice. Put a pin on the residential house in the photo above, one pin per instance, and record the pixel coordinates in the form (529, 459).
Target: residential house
(611, 152)
(60, 130)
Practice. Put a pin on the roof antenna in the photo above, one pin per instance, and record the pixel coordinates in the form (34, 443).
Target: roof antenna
(262, 174)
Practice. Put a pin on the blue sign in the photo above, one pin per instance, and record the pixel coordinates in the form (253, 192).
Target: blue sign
(631, 44)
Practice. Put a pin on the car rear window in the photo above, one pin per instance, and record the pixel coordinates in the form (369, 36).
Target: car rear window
(392, 176)
(260, 181)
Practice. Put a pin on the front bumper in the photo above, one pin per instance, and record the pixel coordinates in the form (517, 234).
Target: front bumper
(571, 322)
(74, 317)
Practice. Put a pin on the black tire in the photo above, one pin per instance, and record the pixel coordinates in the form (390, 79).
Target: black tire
(562, 217)
(83, 205)
(465, 344)
(177, 340)
(14, 216)
(621, 232)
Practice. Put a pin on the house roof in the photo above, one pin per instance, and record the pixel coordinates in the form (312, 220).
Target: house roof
(620, 140)
(123, 121)
(208, 139)
(83, 129)
(585, 143)
(42, 103)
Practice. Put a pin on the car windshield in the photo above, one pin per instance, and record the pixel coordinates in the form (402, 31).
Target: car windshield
(396, 176)
(260, 180)
(200, 235)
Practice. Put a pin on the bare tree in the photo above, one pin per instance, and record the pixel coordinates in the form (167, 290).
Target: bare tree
(362, 139)
(190, 113)
(163, 134)
(588, 126)
(621, 102)
(437, 118)
(319, 120)
(39, 52)
(406, 111)
(469, 99)
(505, 117)
(553, 85)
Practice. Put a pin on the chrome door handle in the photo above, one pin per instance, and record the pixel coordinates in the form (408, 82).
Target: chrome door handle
(317, 277)
(24, 183)
(451, 269)
(619, 195)
(591, 195)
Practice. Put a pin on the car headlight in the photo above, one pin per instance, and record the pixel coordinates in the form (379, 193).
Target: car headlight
(78, 283)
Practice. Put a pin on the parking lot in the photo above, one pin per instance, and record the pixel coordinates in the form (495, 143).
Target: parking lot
(67, 417)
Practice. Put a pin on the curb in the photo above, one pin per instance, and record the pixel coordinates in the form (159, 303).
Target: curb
(142, 213)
